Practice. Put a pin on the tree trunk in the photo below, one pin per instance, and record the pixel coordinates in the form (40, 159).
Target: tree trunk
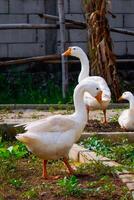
(101, 56)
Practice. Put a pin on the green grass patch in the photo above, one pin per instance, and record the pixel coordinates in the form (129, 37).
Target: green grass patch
(122, 152)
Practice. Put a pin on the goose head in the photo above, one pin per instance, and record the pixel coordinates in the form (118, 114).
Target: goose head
(93, 88)
(126, 96)
(74, 51)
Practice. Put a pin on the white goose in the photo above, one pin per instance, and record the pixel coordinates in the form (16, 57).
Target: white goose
(52, 138)
(126, 119)
(91, 102)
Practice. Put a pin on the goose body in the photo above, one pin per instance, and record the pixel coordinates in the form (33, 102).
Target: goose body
(52, 138)
(126, 119)
(89, 100)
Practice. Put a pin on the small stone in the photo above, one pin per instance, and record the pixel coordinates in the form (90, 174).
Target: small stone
(130, 186)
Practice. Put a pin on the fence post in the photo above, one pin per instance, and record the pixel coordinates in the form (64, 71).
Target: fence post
(62, 36)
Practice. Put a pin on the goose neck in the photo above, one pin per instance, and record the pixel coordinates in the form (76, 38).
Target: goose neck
(80, 108)
(84, 67)
(131, 103)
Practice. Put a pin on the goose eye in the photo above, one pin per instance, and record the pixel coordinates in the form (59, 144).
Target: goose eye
(97, 88)
(74, 48)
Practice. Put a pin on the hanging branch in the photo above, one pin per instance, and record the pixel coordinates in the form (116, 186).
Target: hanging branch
(100, 44)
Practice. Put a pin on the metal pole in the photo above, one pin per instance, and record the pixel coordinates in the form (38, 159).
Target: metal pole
(62, 35)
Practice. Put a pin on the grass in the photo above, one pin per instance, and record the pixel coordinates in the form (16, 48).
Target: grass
(21, 178)
(122, 152)
(32, 88)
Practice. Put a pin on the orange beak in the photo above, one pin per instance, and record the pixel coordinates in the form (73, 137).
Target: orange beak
(99, 97)
(121, 98)
(68, 52)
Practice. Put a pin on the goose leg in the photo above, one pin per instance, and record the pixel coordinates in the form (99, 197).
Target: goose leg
(65, 160)
(44, 174)
(124, 128)
(88, 109)
(105, 118)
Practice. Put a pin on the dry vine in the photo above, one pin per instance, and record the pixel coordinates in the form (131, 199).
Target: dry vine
(102, 58)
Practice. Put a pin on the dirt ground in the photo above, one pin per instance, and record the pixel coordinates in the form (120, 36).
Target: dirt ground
(94, 124)
(33, 186)
(28, 171)
(97, 126)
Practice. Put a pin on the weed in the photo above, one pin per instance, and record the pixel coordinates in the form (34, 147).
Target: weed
(16, 182)
(19, 114)
(51, 109)
(70, 186)
(102, 185)
(115, 118)
(122, 152)
(96, 168)
(17, 151)
(31, 194)
(34, 116)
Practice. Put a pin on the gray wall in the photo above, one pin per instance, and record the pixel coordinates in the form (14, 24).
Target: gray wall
(24, 43)
(124, 11)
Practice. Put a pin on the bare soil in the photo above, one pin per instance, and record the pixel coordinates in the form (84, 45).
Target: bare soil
(35, 187)
(94, 125)
(97, 126)
(28, 171)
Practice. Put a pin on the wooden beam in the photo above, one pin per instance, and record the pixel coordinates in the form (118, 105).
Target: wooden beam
(125, 60)
(32, 59)
(122, 31)
(59, 61)
(37, 26)
(53, 59)
(56, 18)
(29, 26)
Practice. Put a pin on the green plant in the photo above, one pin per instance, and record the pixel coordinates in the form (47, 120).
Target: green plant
(17, 151)
(31, 194)
(96, 168)
(115, 118)
(104, 184)
(70, 186)
(19, 88)
(34, 116)
(122, 151)
(96, 144)
(16, 182)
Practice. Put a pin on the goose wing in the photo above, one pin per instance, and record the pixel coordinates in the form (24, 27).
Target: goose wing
(55, 123)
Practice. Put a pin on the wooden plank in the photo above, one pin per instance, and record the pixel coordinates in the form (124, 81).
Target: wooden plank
(38, 26)
(53, 59)
(28, 60)
(59, 61)
(56, 18)
(122, 31)
(125, 60)
(28, 26)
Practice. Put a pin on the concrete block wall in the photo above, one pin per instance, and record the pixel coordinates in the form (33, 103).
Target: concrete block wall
(21, 43)
(25, 43)
(124, 11)
(73, 10)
